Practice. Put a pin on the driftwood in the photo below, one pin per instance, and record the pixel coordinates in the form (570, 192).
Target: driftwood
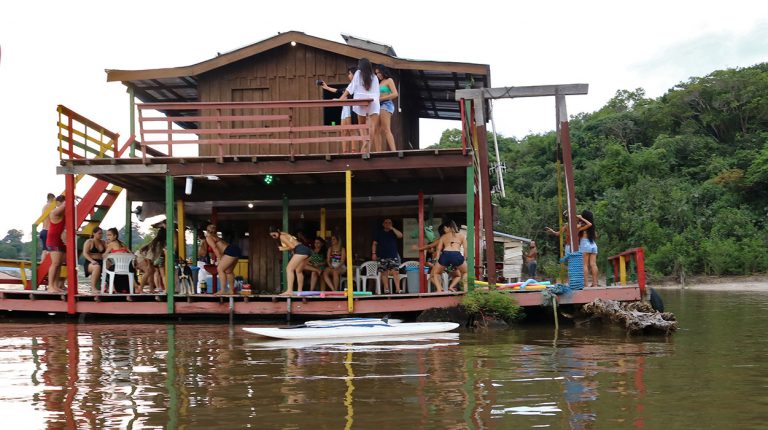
(636, 317)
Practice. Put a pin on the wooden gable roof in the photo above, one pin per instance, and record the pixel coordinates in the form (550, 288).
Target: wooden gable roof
(436, 81)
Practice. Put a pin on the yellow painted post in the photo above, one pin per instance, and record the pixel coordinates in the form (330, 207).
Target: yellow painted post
(350, 278)
(322, 223)
(182, 239)
(622, 270)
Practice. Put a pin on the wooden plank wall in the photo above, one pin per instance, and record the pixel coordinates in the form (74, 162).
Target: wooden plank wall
(285, 73)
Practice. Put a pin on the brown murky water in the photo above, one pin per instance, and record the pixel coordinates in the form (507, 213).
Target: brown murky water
(711, 374)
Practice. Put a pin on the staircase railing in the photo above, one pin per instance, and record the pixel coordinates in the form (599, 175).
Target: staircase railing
(79, 138)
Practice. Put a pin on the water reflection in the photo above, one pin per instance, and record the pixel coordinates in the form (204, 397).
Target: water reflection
(213, 376)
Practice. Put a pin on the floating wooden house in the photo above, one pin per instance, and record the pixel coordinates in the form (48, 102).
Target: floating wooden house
(247, 139)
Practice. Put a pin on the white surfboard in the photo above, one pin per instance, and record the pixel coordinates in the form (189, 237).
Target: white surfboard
(352, 330)
(351, 321)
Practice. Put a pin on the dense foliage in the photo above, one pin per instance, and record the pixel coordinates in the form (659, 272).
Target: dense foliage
(684, 175)
(484, 304)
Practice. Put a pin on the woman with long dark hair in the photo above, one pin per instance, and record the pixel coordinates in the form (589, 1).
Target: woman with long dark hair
(387, 95)
(365, 85)
(588, 246)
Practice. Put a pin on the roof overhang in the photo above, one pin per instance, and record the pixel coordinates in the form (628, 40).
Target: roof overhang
(434, 81)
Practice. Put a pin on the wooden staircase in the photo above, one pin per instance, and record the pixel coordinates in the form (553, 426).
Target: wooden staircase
(90, 212)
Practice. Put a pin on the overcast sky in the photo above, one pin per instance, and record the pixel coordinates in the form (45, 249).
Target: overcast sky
(56, 53)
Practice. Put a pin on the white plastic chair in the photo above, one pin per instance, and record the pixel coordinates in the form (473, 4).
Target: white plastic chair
(366, 271)
(446, 282)
(122, 266)
(404, 277)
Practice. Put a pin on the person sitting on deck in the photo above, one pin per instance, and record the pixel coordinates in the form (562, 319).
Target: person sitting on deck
(315, 264)
(93, 251)
(335, 260)
(150, 259)
(449, 254)
(227, 256)
(55, 246)
(385, 242)
(115, 245)
(294, 269)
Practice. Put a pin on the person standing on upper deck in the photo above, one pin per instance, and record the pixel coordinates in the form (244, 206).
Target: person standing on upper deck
(365, 85)
(384, 250)
(387, 95)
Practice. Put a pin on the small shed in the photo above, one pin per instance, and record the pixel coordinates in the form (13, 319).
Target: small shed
(513, 254)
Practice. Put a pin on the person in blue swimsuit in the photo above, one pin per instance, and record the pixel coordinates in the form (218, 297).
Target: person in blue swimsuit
(449, 255)
(387, 95)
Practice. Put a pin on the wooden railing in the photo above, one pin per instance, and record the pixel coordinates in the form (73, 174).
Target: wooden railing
(80, 138)
(243, 126)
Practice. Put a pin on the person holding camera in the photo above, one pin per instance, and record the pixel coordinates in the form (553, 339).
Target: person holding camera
(365, 85)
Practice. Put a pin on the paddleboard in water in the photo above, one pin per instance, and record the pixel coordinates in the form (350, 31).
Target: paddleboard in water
(352, 330)
(351, 321)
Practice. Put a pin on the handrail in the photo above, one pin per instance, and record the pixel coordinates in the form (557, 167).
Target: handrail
(243, 125)
(80, 137)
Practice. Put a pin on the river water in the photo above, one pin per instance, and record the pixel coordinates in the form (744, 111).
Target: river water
(710, 374)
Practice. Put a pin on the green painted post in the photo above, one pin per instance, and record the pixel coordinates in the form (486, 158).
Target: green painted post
(194, 244)
(128, 223)
(286, 254)
(170, 256)
(471, 227)
(33, 258)
(132, 115)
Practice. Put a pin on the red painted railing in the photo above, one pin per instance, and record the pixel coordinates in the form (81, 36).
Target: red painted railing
(619, 262)
(243, 125)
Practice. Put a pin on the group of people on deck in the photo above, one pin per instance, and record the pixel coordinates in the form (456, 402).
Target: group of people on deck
(330, 263)
(367, 81)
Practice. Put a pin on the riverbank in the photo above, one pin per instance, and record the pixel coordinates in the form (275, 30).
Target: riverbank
(719, 283)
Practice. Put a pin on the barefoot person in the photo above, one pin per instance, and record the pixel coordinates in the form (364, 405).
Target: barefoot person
(385, 250)
(54, 244)
(449, 254)
(227, 256)
(295, 268)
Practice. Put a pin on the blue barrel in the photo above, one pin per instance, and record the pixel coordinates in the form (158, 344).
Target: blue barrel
(575, 270)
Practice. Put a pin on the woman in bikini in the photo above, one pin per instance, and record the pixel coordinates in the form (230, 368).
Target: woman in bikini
(93, 253)
(588, 246)
(227, 256)
(387, 95)
(449, 254)
(335, 261)
(301, 252)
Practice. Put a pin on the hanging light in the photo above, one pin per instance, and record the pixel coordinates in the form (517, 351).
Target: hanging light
(188, 187)
(250, 205)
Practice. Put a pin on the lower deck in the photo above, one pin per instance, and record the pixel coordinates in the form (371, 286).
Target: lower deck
(272, 305)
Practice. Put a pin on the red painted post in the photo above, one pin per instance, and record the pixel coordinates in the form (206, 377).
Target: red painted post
(565, 140)
(463, 128)
(640, 260)
(478, 232)
(71, 254)
(615, 262)
(422, 260)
